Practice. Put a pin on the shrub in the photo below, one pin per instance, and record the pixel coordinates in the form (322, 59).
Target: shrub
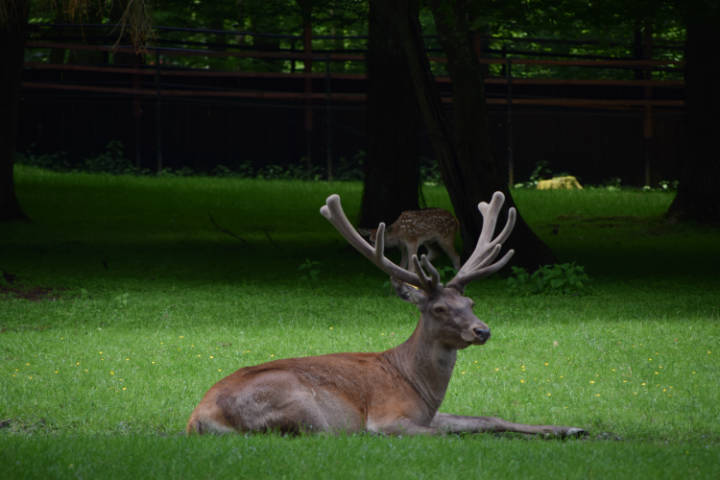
(558, 279)
(309, 270)
(50, 161)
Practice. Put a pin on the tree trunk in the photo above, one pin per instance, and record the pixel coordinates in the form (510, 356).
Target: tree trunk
(470, 171)
(392, 168)
(12, 49)
(697, 197)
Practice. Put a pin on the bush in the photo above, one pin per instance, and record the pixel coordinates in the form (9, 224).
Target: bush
(351, 169)
(112, 160)
(558, 279)
(50, 161)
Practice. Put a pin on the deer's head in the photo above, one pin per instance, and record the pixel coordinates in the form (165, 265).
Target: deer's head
(446, 313)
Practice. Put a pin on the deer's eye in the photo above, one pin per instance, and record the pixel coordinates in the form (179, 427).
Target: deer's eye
(439, 309)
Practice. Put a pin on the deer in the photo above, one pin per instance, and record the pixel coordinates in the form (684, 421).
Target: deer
(395, 392)
(430, 227)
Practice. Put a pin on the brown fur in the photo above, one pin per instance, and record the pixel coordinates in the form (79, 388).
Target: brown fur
(432, 227)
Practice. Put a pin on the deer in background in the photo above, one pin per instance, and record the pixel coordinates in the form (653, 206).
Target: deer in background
(398, 391)
(431, 227)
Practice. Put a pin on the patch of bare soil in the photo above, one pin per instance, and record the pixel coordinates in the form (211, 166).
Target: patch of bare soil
(11, 287)
(16, 426)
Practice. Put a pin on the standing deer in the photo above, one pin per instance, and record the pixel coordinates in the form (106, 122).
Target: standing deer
(397, 391)
(429, 227)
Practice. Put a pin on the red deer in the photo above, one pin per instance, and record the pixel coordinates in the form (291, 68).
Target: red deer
(397, 391)
(430, 227)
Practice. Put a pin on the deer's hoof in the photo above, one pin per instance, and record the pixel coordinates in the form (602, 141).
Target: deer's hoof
(575, 432)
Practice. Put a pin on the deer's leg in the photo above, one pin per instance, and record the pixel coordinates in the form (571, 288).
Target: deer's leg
(409, 249)
(404, 258)
(403, 426)
(448, 246)
(432, 252)
(460, 424)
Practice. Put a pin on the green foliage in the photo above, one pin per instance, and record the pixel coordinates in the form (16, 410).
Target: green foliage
(309, 270)
(351, 168)
(447, 272)
(611, 21)
(51, 161)
(613, 184)
(244, 170)
(595, 30)
(540, 172)
(558, 279)
(112, 160)
(602, 30)
(177, 172)
(430, 171)
(288, 172)
(663, 186)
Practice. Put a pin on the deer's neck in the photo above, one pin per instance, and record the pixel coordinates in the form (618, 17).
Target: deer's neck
(426, 365)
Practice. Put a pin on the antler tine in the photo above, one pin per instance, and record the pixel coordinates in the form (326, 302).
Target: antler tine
(380, 242)
(333, 212)
(430, 282)
(487, 249)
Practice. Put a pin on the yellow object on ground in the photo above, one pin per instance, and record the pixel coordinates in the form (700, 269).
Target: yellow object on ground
(568, 182)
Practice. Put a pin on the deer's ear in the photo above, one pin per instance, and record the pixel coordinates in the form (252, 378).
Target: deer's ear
(407, 292)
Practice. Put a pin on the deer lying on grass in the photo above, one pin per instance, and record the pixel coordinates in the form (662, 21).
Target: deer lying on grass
(430, 227)
(397, 391)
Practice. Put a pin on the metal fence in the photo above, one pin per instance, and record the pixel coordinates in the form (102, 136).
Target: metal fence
(313, 98)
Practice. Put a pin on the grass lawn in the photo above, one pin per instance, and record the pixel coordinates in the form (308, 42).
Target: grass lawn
(126, 298)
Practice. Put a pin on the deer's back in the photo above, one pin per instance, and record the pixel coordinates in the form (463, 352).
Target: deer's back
(426, 224)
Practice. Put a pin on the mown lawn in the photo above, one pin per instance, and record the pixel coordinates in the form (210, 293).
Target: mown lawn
(125, 298)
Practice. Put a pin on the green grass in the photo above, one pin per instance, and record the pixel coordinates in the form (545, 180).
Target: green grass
(151, 302)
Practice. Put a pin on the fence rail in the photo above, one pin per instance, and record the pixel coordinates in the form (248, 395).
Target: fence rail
(157, 70)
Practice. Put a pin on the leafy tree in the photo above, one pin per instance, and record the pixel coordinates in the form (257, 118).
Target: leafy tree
(469, 167)
(697, 198)
(392, 167)
(645, 20)
(13, 31)
(13, 24)
(462, 147)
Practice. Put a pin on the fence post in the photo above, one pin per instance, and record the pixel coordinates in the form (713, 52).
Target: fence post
(328, 121)
(137, 113)
(158, 114)
(509, 123)
(307, 70)
(644, 51)
(648, 134)
(292, 54)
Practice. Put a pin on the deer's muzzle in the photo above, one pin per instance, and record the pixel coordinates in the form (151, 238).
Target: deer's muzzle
(482, 334)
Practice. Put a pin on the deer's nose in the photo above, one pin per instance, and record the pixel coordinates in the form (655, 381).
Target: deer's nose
(482, 334)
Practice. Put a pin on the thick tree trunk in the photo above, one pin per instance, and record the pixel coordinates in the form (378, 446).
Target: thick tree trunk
(469, 168)
(12, 50)
(697, 197)
(392, 168)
